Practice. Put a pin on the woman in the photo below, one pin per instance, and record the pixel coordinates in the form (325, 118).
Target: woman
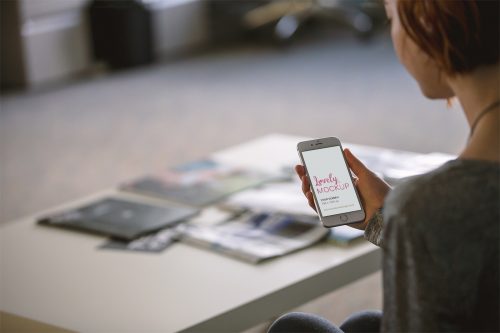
(440, 231)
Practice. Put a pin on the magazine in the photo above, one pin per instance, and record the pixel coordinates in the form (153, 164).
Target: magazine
(199, 183)
(256, 236)
(120, 218)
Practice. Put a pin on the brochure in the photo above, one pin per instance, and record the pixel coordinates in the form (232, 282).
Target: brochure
(156, 242)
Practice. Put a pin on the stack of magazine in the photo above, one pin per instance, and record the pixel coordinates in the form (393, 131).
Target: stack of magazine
(159, 201)
(185, 204)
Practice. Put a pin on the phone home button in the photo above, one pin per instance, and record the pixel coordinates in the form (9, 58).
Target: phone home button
(344, 218)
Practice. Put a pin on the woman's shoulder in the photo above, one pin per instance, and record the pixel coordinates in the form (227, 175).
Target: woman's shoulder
(457, 190)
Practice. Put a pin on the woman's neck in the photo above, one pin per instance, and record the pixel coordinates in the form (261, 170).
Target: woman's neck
(477, 91)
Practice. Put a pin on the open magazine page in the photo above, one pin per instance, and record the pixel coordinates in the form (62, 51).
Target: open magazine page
(254, 237)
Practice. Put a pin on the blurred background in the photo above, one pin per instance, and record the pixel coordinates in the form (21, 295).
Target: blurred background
(96, 92)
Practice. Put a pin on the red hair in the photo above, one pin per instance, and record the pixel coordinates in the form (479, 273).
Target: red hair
(460, 35)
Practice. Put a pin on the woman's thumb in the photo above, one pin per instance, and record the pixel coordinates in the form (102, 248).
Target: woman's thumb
(354, 163)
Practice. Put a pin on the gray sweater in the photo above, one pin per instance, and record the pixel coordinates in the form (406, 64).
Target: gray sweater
(440, 237)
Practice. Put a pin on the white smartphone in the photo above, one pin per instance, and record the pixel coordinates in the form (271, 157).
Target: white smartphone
(336, 198)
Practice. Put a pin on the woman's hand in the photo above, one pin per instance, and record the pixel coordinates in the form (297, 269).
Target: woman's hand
(371, 188)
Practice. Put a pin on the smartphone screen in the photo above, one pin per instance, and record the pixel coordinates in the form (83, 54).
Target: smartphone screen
(331, 181)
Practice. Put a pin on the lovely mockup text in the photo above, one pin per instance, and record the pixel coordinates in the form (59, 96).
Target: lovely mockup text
(331, 181)
(329, 184)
